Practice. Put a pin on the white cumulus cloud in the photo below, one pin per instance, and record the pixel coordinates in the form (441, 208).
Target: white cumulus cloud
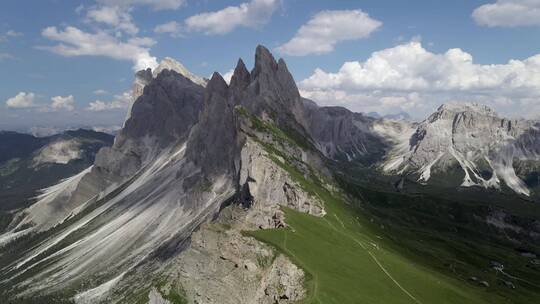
(508, 13)
(155, 4)
(251, 14)
(21, 100)
(100, 92)
(121, 101)
(114, 16)
(173, 28)
(227, 76)
(326, 29)
(75, 42)
(12, 33)
(66, 103)
(6, 56)
(9, 34)
(408, 77)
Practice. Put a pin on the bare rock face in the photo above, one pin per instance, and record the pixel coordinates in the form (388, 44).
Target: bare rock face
(222, 266)
(344, 135)
(162, 116)
(283, 283)
(142, 79)
(270, 186)
(476, 140)
(156, 298)
(182, 159)
(269, 92)
(131, 193)
(214, 143)
(170, 64)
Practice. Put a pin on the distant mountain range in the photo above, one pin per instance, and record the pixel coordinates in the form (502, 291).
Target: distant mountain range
(395, 116)
(29, 164)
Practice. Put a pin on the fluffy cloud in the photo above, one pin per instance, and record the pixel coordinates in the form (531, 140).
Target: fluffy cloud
(21, 100)
(250, 14)
(508, 13)
(107, 129)
(100, 92)
(121, 101)
(173, 28)
(155, 4)
(117, 13)
(9, 34)
(12, 33)
(66, 103)
(408, 77)
(114, 16)
(6, 56)
(74, 42)
(326, 29)
(227, 76)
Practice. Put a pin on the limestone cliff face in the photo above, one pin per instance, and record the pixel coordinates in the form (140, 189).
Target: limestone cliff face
(474, 138)
(187, 156)
(160, 118)
(222, 266)
(342, 134)
(271, 187)
(163, 115)
(270, 92)
(214, 143)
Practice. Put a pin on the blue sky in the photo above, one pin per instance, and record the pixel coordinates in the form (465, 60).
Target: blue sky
(398, 52)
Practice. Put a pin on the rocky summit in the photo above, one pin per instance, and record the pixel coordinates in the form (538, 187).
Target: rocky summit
(249, 193)
(474, 143)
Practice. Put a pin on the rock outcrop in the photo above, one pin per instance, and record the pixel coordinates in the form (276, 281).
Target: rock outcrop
(222, 266)
(473, 141)
(344, 135)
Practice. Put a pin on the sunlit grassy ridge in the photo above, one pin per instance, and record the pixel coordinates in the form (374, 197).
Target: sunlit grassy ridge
(346, 261)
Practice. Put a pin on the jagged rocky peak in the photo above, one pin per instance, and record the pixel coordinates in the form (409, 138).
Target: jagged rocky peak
(142, 78)
(343, 135)
(273, 75)
(165, 109)
(449, 110)
(214, 142)
(169, 63)
(264, 61)
(467, 107)
(241, 76)
(464, 119)
(169, 106)
(473, 138)
(269, 76)
(217, 84)
(268, 91)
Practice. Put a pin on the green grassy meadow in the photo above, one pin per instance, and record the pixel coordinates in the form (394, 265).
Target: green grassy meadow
(347, 263)
(382, 247)
(347, 260)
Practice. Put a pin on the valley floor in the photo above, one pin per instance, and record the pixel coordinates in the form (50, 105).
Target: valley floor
(347, 261)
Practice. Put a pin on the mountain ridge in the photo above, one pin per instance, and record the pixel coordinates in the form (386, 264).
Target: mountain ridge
(475, 138)
(194, 173)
